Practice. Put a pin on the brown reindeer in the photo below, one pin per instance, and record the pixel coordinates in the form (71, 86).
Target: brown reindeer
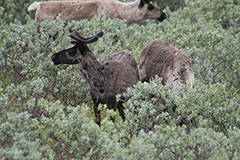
(105, 80)
(135, 12)
(171, 64)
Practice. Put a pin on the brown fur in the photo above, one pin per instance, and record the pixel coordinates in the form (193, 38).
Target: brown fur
(128, 68)
(163, 59)
(105, 80)
(66, 10)
(78, 10)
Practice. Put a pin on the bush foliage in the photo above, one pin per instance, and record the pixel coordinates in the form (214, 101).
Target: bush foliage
(46, 110)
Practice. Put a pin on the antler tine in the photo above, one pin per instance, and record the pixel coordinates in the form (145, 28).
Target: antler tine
(92, 39)
(76, 38)
(100, 34)
(80, 38)
(95, 37)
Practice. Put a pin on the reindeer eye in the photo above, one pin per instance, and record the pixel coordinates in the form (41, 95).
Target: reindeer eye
(72, 52)
(150, 7)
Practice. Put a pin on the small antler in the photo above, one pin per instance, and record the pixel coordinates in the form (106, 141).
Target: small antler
(80, 36)
(80, 39)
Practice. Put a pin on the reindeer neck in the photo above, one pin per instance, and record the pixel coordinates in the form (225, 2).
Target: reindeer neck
(92, 70)
(120, 10)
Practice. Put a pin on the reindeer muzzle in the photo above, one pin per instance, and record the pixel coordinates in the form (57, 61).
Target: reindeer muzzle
(53, 57)
(162, 17)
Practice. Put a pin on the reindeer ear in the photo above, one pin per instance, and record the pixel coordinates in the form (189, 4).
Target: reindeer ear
(141, 3)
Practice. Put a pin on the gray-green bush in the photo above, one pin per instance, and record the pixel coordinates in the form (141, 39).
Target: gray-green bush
(46, 111)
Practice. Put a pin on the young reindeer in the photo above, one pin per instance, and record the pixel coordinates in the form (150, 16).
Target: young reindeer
(163, 59)
(134, 12)
(105, 80)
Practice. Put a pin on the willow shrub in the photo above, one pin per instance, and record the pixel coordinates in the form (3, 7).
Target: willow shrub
(46, 111)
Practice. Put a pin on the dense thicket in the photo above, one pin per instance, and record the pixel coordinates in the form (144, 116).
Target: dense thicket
(46, 111)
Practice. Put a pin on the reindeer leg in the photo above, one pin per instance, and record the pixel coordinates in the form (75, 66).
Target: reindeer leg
(97, 114)
(121, 110)
(112, 106)
(112, 119)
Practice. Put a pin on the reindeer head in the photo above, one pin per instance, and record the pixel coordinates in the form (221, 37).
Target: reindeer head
(151, 12)
(76, 53)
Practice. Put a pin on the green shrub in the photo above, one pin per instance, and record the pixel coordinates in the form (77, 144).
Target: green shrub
(173, 5)
(46, 110)
(16, 10)
(204, 106)
(18, 139)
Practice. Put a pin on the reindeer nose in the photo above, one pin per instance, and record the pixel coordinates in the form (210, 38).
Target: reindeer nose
(162, 17)
(54, 59)
(53, 56)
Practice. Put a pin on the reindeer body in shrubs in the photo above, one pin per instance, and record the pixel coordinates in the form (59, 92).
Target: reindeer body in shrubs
(168, 62)
(134, 12)
(105, 80)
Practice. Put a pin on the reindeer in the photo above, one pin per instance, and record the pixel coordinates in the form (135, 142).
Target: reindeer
(171, 64)
(105, 80)
(135, 12)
